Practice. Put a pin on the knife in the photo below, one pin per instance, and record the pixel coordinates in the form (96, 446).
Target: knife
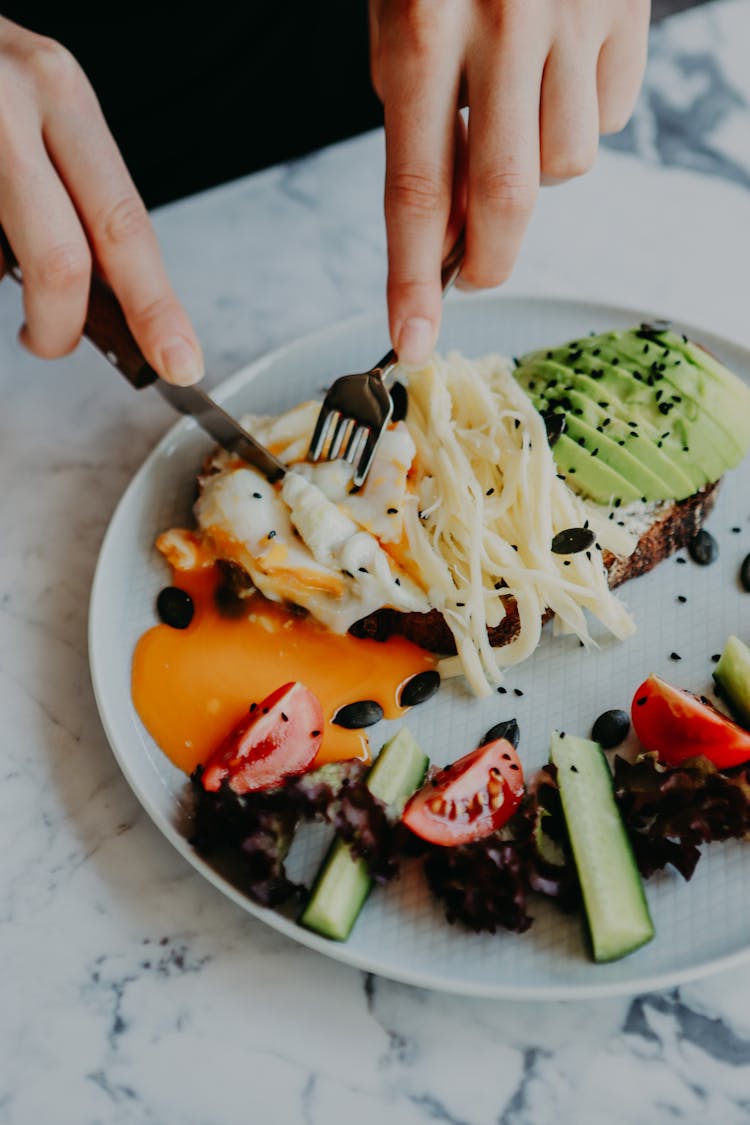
(107, 329)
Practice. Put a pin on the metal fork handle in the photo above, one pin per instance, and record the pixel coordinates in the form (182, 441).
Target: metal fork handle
(449, 271)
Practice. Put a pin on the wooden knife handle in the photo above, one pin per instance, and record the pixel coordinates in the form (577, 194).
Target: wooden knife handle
(105, 326)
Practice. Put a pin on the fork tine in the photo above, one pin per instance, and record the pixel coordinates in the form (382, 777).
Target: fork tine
(365, 460)
(354, 443)
(339, 434)
(320, 434)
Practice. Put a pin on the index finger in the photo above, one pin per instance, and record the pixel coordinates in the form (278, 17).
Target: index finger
(420, 88)
(120, 232)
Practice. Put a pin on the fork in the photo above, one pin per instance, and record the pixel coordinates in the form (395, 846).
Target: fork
(358, 407)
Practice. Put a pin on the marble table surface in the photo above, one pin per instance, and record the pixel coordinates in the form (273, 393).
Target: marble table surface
(131, 990)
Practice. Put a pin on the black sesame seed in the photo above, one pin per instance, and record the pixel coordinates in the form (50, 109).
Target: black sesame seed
(258, 495)
(489, 492)
(681, 598)
(175, 607)
(643, 699)
(363, 570)
(392, 511)
(517, 691)
(272, 535)
(681, 560)
(675, 656)
(574, 769)
(736, 530)
(284, 718)
(716, 658)
(502, 690)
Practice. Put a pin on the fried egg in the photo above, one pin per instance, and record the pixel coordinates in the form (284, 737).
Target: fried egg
(313, 539)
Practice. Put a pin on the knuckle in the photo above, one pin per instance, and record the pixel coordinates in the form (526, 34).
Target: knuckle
(61, 267)
(506, 190)
(53, 65)
(124, 220)
(416, 24)
(419, 192)
(147, 316)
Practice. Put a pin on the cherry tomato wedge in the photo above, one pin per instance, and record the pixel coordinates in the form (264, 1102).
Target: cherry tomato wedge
(677, 725)
(278, 738)
(469, 799)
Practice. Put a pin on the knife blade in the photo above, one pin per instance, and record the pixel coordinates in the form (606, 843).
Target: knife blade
(221, 426)
(108, 331)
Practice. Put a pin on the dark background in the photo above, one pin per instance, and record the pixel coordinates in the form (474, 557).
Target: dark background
(196, 100)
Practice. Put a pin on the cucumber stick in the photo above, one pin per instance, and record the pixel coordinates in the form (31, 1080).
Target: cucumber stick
(613, 897)
(732, 674)
(343, 882)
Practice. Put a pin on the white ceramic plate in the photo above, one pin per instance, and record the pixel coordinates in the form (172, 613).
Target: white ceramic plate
(700, 926)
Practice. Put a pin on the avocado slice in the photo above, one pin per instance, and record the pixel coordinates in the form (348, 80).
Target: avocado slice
(617, 457)
(688, 447)
(595, 410)
(726, 401)
(592, 475)
(670, 408)
(693, 442)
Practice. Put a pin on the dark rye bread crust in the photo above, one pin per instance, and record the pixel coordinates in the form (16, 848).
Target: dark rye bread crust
(671, 529)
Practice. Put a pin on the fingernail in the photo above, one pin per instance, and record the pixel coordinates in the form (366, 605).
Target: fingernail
(416, 340)
(180, 362)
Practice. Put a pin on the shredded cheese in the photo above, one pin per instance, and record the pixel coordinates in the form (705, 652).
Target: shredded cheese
(486, 503)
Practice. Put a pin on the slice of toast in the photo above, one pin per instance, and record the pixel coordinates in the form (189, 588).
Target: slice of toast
(672, 526)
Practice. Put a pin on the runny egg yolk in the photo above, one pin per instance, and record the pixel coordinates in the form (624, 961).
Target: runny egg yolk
(191, 686)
